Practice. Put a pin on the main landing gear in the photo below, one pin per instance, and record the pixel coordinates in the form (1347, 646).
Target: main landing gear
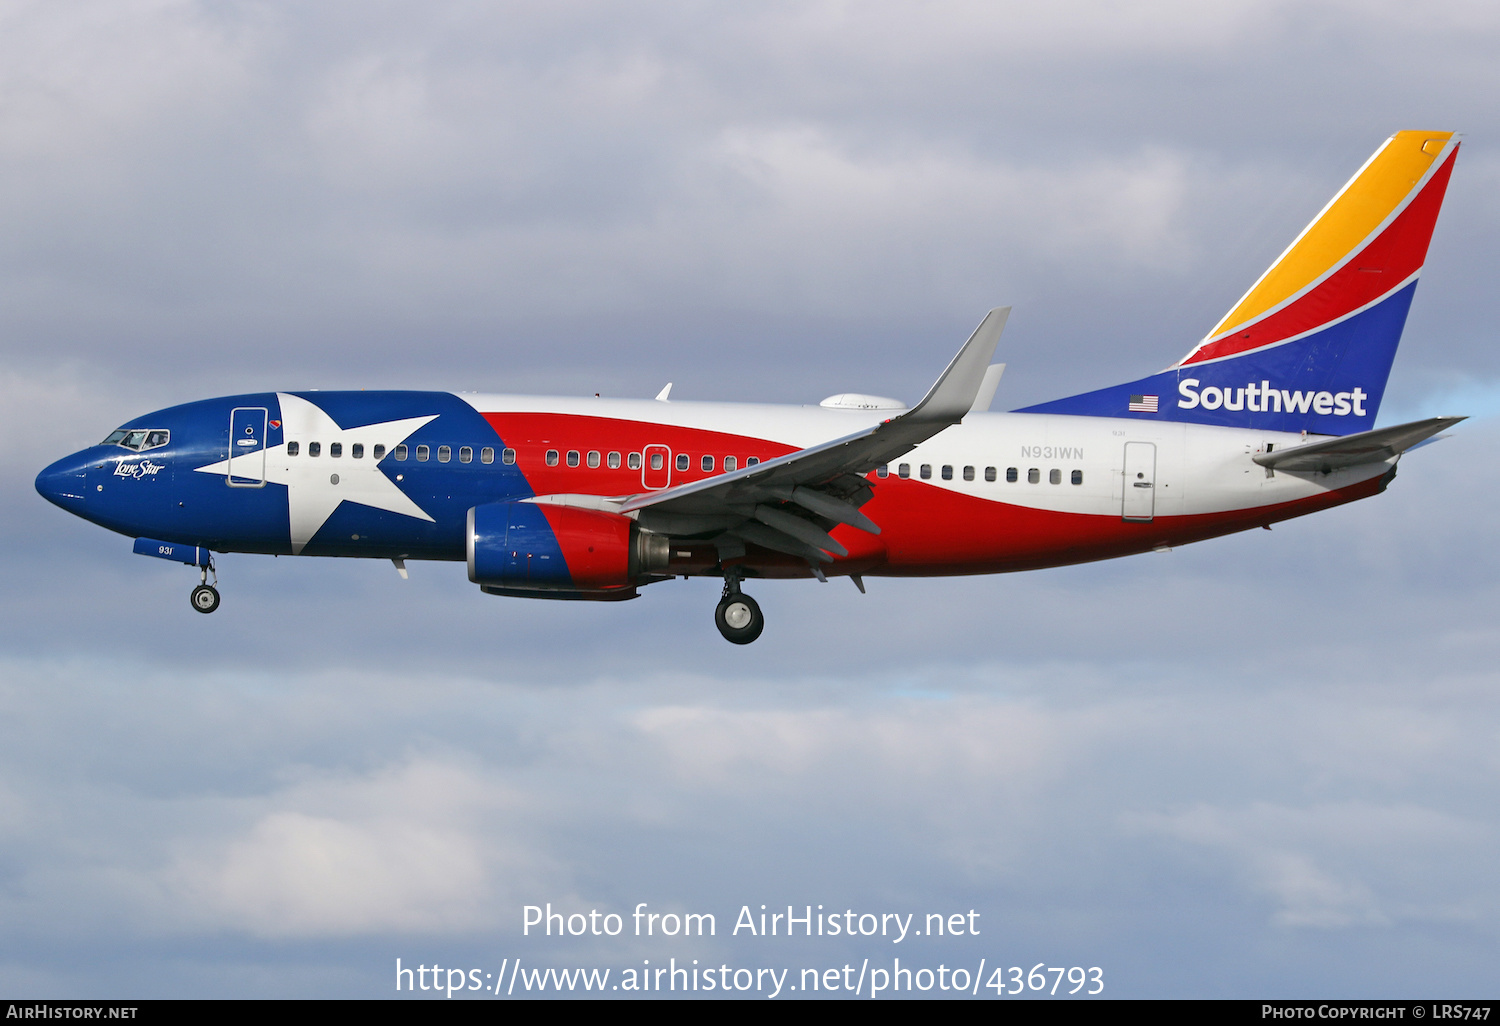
(738, 617)
(205, 597)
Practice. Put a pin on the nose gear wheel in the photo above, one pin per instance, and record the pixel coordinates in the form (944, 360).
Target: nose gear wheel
(205, 597)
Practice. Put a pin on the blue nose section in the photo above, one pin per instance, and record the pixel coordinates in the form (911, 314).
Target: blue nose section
(65, 483)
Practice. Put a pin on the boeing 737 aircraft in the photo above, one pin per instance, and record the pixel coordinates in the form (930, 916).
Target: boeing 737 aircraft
(1271, 416)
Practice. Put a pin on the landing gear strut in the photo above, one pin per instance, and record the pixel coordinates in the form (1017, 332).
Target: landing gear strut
(205, 597)
(738, 617)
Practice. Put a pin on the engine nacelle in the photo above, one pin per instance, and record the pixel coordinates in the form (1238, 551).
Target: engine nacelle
(559, 551)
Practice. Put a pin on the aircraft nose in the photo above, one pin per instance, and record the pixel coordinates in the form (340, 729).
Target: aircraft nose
(64, 483)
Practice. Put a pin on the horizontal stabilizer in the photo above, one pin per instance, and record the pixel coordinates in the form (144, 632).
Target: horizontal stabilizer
(1354, 450)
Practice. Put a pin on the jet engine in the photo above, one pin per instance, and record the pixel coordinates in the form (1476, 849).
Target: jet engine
(538, 550)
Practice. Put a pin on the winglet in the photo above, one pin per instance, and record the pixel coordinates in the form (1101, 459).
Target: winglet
(987, 388)
(954, 393)
(661, 396)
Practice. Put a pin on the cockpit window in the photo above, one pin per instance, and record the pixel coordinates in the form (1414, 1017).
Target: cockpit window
(138, 439)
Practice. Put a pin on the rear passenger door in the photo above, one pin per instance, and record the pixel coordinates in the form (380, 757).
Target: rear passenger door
(1139, 502)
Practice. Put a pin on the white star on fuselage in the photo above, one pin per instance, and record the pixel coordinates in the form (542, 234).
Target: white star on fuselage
(311, 495)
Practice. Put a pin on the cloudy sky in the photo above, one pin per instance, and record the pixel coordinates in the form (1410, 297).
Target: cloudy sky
(1261, 766)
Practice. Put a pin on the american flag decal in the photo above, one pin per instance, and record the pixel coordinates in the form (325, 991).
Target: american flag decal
(1144, 403)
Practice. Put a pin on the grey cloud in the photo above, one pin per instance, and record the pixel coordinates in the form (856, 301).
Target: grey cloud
(194, 181)
(1020, 791)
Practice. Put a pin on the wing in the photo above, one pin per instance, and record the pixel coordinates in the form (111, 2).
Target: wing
(1352, 450)
(789, 504)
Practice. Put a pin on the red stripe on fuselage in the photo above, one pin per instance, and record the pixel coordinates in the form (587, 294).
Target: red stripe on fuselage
(1392, 257)
(934, 532)
(532, 434)
(926, 531)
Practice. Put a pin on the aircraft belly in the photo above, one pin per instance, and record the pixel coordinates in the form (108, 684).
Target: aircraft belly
(947, 533)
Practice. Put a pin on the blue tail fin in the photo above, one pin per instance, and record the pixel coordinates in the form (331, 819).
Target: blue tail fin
(1310, 346)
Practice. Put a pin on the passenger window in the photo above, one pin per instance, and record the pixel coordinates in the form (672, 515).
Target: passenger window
(593, 458)
(613, 461)
(572, 457)
(378, 452)
(1033, 476)
(156, 439)
(730, 463)
(904, 470)
(423, 452)
(487, 454)
(656, 461)
(1011, 475)
(357, 450)
(682, 461)
(989, 473)
(707, 463)
(445, 453)
(1078, 477)
(884, 470)
(947, 472)
(751, 461)
(633, 461)
(292, 448)
(508, 456)
(315, 448)
(551, 457)
(400, 453)
(926, 472)
(335, 450)
(1054, 477)
(968, 473)
(466, 454)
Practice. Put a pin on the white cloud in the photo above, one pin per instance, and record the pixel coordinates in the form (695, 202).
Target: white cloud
(412, 848)
(1332, 866)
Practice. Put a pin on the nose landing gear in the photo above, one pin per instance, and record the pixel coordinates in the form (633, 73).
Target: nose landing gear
(205, 597)
(738, 616)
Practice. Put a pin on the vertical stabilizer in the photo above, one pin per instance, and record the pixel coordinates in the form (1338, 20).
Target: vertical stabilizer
(1309, 347)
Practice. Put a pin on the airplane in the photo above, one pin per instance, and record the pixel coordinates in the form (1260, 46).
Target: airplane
(1271, 416)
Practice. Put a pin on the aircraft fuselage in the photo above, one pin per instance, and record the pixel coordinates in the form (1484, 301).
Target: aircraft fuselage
(392, 475)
